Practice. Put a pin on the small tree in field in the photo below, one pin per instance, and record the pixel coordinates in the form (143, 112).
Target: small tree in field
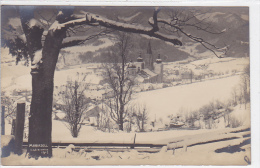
(75, 104)
(141, 117)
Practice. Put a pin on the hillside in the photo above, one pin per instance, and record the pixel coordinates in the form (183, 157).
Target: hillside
(98, 51)
(164, 102)
(232, 22)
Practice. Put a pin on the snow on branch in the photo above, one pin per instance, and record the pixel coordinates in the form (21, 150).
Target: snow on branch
(37, 57)
(33, 22)
(57, 26)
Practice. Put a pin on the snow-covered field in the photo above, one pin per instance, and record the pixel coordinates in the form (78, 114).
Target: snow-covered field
(89, 134)
(214, 64)
(163, 102)
(18, 77)
(223, 64)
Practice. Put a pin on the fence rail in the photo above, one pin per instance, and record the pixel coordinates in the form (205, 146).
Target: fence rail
(180, 142)
(126, 145)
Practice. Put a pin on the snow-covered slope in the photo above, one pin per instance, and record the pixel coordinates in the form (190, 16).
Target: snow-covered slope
(163, 102)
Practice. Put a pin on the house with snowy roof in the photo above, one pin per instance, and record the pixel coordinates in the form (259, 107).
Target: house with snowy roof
(95, 113)
(92, 115)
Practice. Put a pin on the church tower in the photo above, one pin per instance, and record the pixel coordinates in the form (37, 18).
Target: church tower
(131, 68)
(140, 63)
(158, 69)
(150, 56)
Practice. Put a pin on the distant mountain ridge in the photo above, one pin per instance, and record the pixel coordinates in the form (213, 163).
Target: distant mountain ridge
(233, 21)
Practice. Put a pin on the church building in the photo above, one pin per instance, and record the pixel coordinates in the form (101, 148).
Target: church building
(147, 75)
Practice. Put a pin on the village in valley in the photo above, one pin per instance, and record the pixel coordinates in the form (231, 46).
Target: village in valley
(154, 96)
(164, 75)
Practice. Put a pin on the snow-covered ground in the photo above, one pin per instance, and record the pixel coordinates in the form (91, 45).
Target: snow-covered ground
(197, 155)
(163, 102)
(160, 104)
(89, 134)
(18, 77)
(223, 64)
(210, 153)
(214, 64)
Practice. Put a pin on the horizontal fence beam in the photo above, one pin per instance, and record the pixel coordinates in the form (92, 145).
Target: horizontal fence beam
(54, 144)
(232, 134)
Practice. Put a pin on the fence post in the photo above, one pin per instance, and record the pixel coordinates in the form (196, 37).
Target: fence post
(133, 146)
(19, 128)
(3, 121)
(13, 127)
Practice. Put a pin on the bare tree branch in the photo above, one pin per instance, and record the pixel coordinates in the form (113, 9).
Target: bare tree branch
(204, 43)
(95, 20)
(79, 42)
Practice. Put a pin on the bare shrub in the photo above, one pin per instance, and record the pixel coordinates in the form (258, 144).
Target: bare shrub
(233, 122)
(141, 116)
(75, 104)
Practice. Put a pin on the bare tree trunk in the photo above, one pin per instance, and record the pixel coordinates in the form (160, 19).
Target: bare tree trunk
(121, 120)
(40, 121)
(142, 123)
(3, 121)
(64, 61)
(75, 131)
